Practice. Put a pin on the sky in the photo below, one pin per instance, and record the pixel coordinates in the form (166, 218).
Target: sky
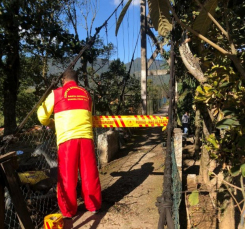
(128, 32)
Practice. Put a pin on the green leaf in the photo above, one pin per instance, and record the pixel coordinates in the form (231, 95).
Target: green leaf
(194, 198)
(122, 14)
(231, 111)
(200, 90)
(212, 140)
(243, 170)
(160, 16)
(235, 171)
(223, 127)
(203, 22)
(226, 123)
(226, 84)
(200, 99)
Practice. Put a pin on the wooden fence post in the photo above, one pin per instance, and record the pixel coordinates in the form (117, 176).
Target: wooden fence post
(10, 180)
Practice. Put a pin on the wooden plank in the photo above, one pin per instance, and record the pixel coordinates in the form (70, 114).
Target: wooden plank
(161, 72)
(17, 198)
(157, 72)
(2, 206)
(7, 156)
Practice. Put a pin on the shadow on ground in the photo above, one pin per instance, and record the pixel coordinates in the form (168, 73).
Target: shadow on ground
(142, 141)
(127, 182)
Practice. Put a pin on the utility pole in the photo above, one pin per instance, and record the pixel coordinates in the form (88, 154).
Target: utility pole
(143, 56)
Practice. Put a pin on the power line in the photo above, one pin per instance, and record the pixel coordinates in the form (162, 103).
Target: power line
(156, 68)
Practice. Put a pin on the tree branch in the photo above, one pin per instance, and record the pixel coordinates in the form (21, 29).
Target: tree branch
(226, 182)
(227, 34)
(94, 10)
(157, 50)
(223, 51)
(233, 197)
(196, 33)
(213, 19)
(73, 20)
(191, 63)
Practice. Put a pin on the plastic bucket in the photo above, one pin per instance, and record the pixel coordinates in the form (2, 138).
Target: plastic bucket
(53, 221)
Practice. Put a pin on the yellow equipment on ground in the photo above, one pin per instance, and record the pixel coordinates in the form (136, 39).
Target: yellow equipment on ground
(32, 177)
(53, 221)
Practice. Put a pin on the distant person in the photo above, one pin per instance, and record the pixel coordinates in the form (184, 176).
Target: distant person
(185, 122)
(72, 107)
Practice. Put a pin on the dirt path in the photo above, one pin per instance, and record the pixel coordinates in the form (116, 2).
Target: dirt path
(130, 186)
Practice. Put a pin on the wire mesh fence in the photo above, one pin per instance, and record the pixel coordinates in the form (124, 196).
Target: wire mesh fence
(36, 151)
(37, 172)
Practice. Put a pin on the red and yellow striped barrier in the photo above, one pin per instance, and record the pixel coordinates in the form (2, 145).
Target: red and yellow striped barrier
(130, 121)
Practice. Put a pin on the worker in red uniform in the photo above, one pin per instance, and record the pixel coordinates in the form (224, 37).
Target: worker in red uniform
(72, 106)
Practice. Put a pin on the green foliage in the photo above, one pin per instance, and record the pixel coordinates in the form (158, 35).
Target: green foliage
(25, 103)
(202, 22)
(159, 13)
(109, 88)
(227, 123)
(160, 16)
(222, 93)
(243, 170)
(194, 198)
(237, 170)
(122, 14)
(235, 19)
(154, 91)
(186, 86)
(30, 29)
(39, 25)
(32, 86)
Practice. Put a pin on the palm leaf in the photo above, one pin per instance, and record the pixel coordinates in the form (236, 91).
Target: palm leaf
(122, 14)
(160, 16)
(203, 22)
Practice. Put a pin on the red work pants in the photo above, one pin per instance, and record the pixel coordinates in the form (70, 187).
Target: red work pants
(74, 154)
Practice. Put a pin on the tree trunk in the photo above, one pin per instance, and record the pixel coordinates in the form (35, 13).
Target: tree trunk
(204, 167)
(12, 73)
(227, 219)
(45, 70)
(204, 162)
(198, 127)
